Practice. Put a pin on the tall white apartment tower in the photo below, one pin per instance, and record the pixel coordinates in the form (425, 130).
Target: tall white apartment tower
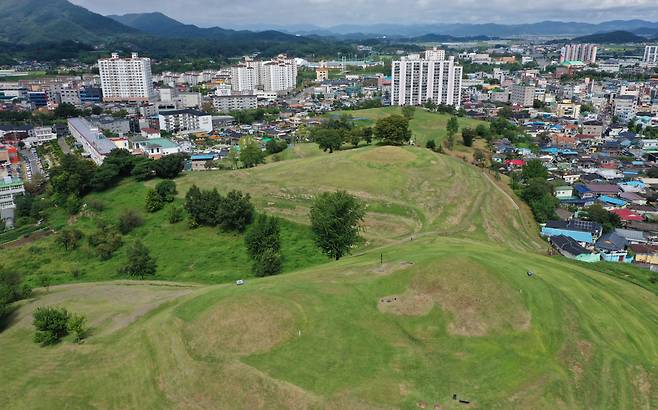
(415, 80)
(277, 75)
(579, 52)
(126, 79)
(650, 55)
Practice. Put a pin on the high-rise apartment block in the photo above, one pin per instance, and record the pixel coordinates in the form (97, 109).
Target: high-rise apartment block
(650, 55)
(126, 79)
(579, 52)
(417, 79)
(276, 75)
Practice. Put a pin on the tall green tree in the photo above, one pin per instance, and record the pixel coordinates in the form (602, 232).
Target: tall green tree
(250, 152)
(235, 211)
(393, 130)
(336, 220)
(140, 262)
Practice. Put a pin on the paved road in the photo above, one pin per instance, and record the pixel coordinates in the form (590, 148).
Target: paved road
(31, 163)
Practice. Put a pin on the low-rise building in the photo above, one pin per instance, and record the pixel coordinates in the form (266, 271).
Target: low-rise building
(186, 121)
(90, 137)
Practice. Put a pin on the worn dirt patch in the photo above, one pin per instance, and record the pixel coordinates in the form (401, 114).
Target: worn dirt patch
(241, 327)
(477, 301)
(108, 306)
(408, 304)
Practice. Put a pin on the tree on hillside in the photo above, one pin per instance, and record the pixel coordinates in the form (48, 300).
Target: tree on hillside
(11, 289)
(153, 201)
(122, 159)
(452, 128)
(140, 263)
(468, 135)
(263, 241)
(235, 211)
(202, 206)
(143, 169)
(170, 166)
(336, 220)
(393, 130)
(328, 139)
(534, 168)
(167, 190)
(408, 111)
(69, 238)
(73, 175)
(431, 145)
(250, 152)
(129, 220)
(263, 234)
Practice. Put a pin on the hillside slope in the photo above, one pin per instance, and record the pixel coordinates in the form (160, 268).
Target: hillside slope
(437, 303)
(31, 21)
(439, 317)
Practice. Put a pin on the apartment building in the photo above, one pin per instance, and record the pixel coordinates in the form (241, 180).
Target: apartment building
(278, 75)
(579, 52)
(522, 95)
(625, 107)
(417, 79)
(234, 102)
(126, 79)
(10, 188)
(650, 55)
(186, 121)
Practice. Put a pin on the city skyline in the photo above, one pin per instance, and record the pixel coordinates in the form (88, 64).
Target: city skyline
(323, 13)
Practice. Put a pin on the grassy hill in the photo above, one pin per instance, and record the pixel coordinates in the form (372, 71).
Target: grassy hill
(450, 310)
(424, 125)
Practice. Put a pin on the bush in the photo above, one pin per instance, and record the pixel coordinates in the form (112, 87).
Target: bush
(96, 205)
(69, 238)
(170, 166)
(154, 201)
(77, 326)
(128, 221)
(431, 145)
(176, 214)
(263, 234)
(105, 241)
(235, 211)
(51, 324)
(267, 264)
(140, 263)
(166, 190)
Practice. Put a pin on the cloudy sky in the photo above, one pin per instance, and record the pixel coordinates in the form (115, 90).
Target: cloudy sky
(251, 13)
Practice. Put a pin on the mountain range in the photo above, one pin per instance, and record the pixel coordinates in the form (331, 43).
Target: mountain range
(26, 23)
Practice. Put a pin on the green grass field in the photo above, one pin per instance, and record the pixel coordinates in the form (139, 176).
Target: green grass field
(450, 310)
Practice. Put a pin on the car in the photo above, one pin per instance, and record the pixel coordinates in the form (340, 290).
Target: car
(239, 282)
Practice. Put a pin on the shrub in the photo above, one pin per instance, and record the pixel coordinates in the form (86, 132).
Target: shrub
(154, 201)
(140, 263)
(235, 211)
(263, 234)
(51, 324)
(95, 205)
(128, 221)
(77, 326)
(267, 263)
(176, 214)
(167, 190)
(431, 145)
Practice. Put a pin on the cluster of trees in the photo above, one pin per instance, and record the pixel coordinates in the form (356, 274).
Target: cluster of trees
(255, 115)
(233, 212)
(12, 289)
(58, 115)
(156, 198)
(336, 131)
(597, 213)
(74, 177)
(54, 323)
(533, 187)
